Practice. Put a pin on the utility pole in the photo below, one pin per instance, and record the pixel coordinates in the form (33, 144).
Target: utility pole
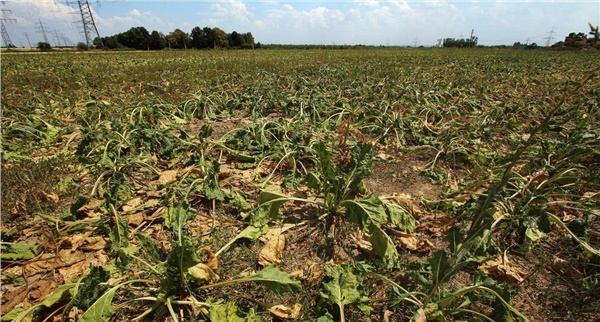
(42, 28)
(27, 36)
(527, 42)
(550, 37)
(5, 36)
(415, 41)
(87, 20)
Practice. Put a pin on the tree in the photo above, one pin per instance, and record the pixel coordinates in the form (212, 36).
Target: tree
(178, 39)
(82, 46)
(136, 37)
(157, 41)
(44, 46)
(235, 40)
(220, 38)
(248, 40)
(196, 37)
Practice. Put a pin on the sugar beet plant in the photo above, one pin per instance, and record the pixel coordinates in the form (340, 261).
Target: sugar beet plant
(337, 184)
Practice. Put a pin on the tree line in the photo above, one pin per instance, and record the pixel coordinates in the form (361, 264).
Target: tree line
(200, 38)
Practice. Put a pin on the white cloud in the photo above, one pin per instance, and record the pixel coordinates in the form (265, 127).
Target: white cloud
(367, 3)
(235, 9)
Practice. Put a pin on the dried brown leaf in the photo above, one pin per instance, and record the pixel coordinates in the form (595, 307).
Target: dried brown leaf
(168, 176)
(211, 260)
(201, 271)
(48, 197)
(285, 312)
(420, 316)
(361, 240)
(136, 219)
(272, 251)
(502, 269)
(386, 315)
(439, 227)
(132, 204)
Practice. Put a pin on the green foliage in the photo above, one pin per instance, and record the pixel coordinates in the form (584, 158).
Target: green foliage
(294, 130)
(17, 251)
(92, 287)
(229, 312)
(82, 46)
(44, 46)
(344, 287)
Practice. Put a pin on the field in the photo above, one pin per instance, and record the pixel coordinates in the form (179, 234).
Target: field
(317, 185)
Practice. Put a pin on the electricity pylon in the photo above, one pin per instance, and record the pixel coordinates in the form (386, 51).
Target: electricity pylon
(5, 36)
(42, 28)
(87, 20)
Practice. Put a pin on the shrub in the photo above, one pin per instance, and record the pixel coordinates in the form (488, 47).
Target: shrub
(44, 46)
(82, 46)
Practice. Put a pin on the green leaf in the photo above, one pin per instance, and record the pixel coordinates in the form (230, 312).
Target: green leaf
(344, 287)
(384, 247)
(177, 215)
(92, 289)
(15, 251)
(250, 232)
(275, 280)
(239, 202)
(325, 318)
(229, 312)
(13, 314)
(269, 203)
(439, 267)
(60, 293)
(101, 309)
(401, 218)
(532, 237)
(454, 238)
(435, 176)
(148, 247)
(271, 277)
(369, 214)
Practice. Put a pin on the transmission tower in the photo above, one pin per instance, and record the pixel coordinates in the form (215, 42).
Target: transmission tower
(550, 37)
(42, 28)
(87, 20)
(27, 36)
(5, 37)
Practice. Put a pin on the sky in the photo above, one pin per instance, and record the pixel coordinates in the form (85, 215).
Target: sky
(337, 22)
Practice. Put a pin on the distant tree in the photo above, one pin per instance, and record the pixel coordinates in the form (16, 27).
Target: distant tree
(196, 37)
(44, 46)
(248, 40)
(82, 46)
(112, 42)
(235, 40)
(136, 37)
(178, 39)
(157, 41)
(221, 40)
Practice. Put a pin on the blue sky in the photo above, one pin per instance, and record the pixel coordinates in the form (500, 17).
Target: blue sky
(369, 22)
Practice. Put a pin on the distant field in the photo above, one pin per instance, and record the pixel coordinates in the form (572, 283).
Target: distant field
(338, 185)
